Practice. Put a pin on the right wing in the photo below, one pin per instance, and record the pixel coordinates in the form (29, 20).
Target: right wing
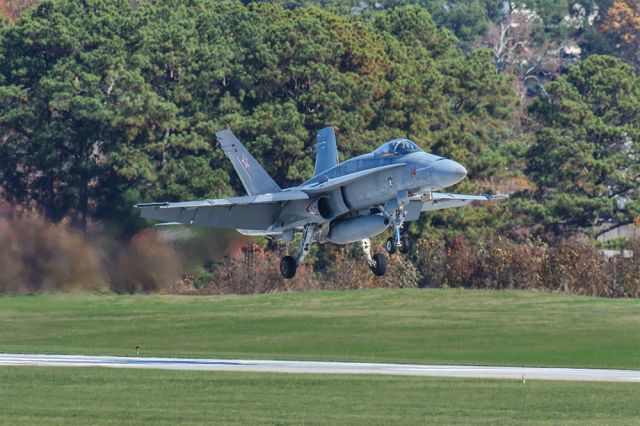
(250, 212)
(440, 200)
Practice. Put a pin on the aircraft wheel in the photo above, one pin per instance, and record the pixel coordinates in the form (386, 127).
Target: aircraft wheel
(288, 267)
(390, 245)
(380, 266)
(405, 244)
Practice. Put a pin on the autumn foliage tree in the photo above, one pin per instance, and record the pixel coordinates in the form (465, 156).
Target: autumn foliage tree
(12, 9)
(622, 24)
(623, 18)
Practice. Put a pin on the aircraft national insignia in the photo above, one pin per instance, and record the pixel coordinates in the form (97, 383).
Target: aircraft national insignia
(413, 172)
(245, 162)
(391, 181)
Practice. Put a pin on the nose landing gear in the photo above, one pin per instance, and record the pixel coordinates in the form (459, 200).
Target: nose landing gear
(398, 241)
(404, 245)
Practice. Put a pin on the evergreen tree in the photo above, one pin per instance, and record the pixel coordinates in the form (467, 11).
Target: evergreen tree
(105, 104)
(585, 155)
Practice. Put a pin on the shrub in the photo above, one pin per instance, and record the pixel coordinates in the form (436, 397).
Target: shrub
(430, 260)
(575, 266)
(462, 261)
(202, 279)
(504, 264)
(626, 272)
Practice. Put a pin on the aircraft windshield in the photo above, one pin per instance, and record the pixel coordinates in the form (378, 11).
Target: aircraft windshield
(397, 147)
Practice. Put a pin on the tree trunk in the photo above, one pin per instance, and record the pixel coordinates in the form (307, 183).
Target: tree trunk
(48, 198)
(83, 202)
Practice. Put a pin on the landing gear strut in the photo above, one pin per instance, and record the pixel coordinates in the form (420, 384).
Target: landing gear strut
(377, 262)
(289, 265)
(398, 241)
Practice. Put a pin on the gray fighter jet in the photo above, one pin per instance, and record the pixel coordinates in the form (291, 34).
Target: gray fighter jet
(343, 203)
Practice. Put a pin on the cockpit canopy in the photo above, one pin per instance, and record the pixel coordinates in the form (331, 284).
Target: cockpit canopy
(397, 147)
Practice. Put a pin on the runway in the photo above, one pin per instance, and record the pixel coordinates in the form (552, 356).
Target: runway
(316, 367)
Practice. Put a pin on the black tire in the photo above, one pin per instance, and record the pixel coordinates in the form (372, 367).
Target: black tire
(405, 244)
(380, 266)
(390, 245)
(288, 267)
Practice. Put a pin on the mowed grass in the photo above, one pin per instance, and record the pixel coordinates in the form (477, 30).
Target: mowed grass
(66, 395)
(408, 326)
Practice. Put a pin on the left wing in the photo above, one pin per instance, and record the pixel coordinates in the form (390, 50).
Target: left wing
(250, 212)
(439, 200)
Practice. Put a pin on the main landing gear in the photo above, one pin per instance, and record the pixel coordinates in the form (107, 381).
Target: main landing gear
(377, 262)
(288, 265)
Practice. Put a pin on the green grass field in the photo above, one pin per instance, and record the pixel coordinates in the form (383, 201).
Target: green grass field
(418, 326)
(37, 395)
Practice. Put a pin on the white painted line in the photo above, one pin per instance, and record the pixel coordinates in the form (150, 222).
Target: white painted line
(317, 367)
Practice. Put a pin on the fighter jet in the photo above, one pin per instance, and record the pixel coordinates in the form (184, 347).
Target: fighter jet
(343, 203)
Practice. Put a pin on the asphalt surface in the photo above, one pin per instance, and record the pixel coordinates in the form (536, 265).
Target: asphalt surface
(267, 366)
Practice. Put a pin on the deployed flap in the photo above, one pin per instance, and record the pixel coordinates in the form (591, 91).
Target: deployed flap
(254, 178)
(258, 216)
(250, 212)
(289, 195)
(329, 184)
(326, 150)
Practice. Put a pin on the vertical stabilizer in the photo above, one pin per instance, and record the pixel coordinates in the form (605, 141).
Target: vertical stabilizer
(326, 150)
(254, 178)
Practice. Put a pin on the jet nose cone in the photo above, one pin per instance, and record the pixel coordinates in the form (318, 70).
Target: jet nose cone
(450, 172)
(458, 170)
